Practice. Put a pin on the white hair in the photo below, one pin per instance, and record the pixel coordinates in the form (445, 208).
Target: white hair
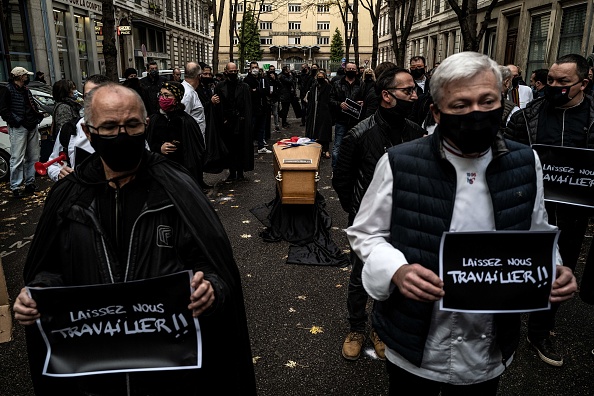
(461, 66)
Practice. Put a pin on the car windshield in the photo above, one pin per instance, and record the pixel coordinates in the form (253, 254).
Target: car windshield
(42, 98)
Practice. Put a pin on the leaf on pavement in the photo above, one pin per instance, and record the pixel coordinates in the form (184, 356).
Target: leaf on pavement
(245, 236)
(316, 330)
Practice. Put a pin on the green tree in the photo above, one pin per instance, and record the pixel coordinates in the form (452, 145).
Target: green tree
(336, 50)
(249, 39)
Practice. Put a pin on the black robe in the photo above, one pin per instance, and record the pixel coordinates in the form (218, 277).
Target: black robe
(178, 125)
(231, 122)
(227, 362)
(318, 125)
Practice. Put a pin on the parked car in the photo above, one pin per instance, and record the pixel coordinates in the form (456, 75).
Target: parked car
(43, 97)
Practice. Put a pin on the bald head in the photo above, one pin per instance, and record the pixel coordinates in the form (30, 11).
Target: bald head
(113, 102)
(230, 66)
(515, 71)
(193, 70)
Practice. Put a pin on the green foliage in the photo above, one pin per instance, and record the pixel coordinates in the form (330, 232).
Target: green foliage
(336, 50)
(249, 38)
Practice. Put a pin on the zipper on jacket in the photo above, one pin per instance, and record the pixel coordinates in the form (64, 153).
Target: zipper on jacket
(132, 235)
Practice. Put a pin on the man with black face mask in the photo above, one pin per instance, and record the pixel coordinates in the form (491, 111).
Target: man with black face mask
(418, 70)
(232, 122)
(462, 178)
(125, 215)
(360, 150)
(152, 83)
(563, 117)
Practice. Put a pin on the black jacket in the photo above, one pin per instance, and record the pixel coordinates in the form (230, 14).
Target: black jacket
(360, 150)
(287, 87)
(18, 108)
(341, 90)
(71, 248)
(523, 125)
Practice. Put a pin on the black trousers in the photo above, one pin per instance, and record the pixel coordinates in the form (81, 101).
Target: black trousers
(573, 223)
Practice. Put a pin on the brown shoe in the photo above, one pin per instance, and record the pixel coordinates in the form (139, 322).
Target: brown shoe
(351, 348)
(378, 345)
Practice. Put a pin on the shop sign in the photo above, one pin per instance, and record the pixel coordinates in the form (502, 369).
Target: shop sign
(90, 5)
(125, 30)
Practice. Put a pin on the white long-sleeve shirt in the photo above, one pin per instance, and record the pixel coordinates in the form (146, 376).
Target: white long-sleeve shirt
(79, 140)
(460, 347)
(194, 106)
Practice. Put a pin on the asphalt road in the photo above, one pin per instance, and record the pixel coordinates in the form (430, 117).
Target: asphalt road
(296, 314)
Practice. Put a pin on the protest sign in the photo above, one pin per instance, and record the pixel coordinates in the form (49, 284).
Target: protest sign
(353, 109)
(568, 174)
(500, 271)
(124, 327)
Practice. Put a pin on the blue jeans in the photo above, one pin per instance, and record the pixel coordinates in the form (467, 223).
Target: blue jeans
(24, 153)
(339, 131)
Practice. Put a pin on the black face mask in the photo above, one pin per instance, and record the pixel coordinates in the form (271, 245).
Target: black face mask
(417, 73)
(232, 76)
(351, 74)
(121, 154)
(133, 82)
(314, 72)
(207, 80)
(400, 109)
(321, 80)
(405, 107)
(154, 73)
(473, 132)
(368, 77)
(558, 96)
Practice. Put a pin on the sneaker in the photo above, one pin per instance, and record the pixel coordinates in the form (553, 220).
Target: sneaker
(17, 193)
(378, 345)
(30, 188)
(351, 348)
(264, 150)
(546, 351)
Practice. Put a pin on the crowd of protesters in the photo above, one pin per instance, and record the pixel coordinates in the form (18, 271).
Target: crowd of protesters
(386, 130)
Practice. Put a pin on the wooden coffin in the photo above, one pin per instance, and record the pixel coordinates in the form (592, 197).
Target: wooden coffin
(296, 172)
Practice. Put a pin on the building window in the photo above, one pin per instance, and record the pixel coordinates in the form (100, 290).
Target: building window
(238, 25)
(538, 42)
(239, 7)
(294, 40)
(349, 25)
(294, 25)
(437, 4)
(265, 25)
(323, 25)
(235, 40)
(572, 29)
(323, 9)
(266, 8)
(266, 40)
(323, 40)
(169, 8)
(294, 7)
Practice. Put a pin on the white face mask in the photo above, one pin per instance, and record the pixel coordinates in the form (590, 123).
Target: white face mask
(255, 72)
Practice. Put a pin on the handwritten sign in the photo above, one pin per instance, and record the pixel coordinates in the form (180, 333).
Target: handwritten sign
(568, 174)
(353, 108)
(499, 271)
(124, 327)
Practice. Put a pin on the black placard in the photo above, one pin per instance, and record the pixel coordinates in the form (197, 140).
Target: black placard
(498, 271)
(135, 326)
(353, 108)
(568, 174)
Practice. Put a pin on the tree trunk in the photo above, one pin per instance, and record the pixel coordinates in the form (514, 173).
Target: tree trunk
(232, 22)
(468, 22)
(355, 31)
(216, 42)
(392, 25)
(345, 19)
(110, 52)
(375, 30)
(406, 21)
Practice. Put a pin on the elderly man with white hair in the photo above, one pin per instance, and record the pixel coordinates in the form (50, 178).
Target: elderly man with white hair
(419, 191)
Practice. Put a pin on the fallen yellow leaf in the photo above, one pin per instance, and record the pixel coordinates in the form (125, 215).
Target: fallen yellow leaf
(316, 330)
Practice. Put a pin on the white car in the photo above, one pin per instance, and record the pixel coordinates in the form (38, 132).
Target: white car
(45, 101)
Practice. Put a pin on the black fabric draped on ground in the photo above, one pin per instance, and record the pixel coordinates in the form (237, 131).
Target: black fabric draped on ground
(305, 227)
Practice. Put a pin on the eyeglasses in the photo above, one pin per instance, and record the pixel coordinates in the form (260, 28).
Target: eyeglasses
(164, 95)
(133, 128)
(405, 90)
(232, 71)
